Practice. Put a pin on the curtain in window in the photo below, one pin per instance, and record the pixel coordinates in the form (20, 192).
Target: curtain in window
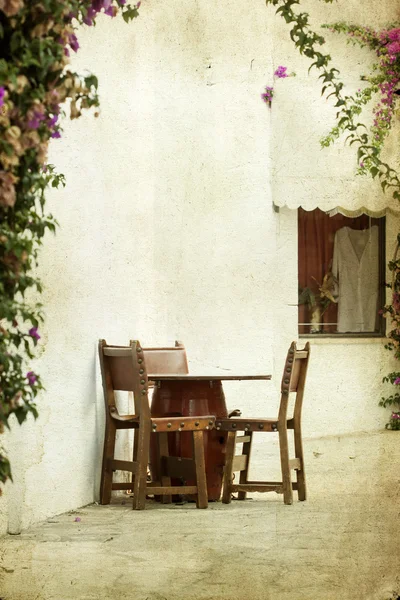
(316, 234)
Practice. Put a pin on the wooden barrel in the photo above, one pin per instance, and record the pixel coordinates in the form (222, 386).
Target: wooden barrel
(186, 399)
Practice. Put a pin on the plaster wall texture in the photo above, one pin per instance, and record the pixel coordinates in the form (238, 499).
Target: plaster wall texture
(302, 172)
(168, 232)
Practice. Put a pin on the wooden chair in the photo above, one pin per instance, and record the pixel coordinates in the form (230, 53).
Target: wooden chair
(124, 369)
(293, 380)
(162, 361)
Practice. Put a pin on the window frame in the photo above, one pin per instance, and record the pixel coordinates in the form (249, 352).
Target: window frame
(381, 333)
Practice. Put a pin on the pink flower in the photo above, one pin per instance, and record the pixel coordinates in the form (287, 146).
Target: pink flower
(267, 96)
(394, 35)
(77, 520)
(31, 378)
(396, 301)
(394, 48)
(33, 332)
(281, 72)
(397, 381)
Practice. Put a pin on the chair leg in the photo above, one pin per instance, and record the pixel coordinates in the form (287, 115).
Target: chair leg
(201, 482)
(108, 454)
(228, 474)
(286, 475)
(163, 451)
(140, 484)
(135, 447)
(301, 476)
(244, 475)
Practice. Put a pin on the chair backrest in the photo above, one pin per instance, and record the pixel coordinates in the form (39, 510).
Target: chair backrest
(294, 378)
(164, 361)
(123, 368)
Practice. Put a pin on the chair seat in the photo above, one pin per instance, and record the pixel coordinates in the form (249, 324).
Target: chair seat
(168, 423)
(134, 419)
(182, 423)
(258, 424)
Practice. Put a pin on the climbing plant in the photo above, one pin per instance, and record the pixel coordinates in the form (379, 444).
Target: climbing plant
(392, 312)
(37, 89)
(381, 86)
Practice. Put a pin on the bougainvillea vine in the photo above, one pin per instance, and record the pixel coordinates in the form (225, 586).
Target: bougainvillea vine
(37, 89)
(383, 81)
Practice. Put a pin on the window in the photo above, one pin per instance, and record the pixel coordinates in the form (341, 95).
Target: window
(341, 274)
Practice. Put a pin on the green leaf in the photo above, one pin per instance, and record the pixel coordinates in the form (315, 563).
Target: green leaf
(91, 80)
(373, 171)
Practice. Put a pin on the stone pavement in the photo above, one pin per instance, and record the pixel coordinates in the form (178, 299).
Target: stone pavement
(342, 544)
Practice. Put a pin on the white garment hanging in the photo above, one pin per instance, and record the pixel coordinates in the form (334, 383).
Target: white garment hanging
(356, 266)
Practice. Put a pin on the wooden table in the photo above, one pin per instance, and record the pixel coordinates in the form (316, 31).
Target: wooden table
(189, 395)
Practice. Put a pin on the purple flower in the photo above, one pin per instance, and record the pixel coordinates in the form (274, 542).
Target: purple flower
(73, 42)
(31, 378)
(109, 11)
(281, 72)
(51, 122)
(90, 15)
(397, 381)
(2, 92)
(36, 120)
(99, 4)
(56, 134)
(77, 520)
(33, 332)
(267, 96)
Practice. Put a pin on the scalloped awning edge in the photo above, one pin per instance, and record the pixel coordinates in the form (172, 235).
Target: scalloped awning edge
(354, 212)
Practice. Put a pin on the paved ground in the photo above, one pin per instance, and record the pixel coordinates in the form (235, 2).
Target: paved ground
(342, 544)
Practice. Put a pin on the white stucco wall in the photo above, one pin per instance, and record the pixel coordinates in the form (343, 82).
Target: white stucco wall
(168, 231)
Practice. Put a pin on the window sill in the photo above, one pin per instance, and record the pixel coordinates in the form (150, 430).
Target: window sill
(325, 339)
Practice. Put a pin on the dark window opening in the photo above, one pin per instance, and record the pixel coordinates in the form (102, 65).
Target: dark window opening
(341, 267)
